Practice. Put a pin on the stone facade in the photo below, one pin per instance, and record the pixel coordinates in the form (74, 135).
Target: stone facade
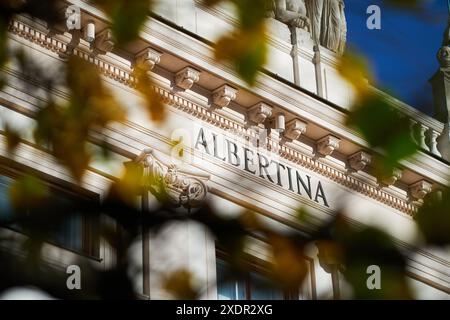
(299, 102)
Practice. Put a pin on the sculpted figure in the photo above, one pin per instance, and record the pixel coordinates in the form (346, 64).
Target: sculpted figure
(291, 12)
(315, 9)
(328, 24)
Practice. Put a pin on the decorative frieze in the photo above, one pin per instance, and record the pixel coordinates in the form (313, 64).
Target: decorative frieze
(359, 160)
(259, 113)
(124, 76)
(186, 78)
(294, 129)
(420, 189)
(391, 179)
(147, 59)
(327, 145)
(222, 96)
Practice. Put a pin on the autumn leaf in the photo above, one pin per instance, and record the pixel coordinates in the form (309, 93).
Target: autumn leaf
(180, 284)
(127, 16)
(288, 265)
(246, 46)
(90, 107)
(355, 69)
(153, 102)
(246, 50)
(12, 138)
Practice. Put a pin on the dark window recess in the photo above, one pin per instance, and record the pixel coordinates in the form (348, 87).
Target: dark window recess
(253, 285)
(77, 231)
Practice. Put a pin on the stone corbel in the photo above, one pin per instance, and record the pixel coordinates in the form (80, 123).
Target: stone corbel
(222, 96)
(186, 77)
(103, 42)
(359, 160)
(148, 59)
(420, 189)
(327, 145)
(390, 180)
(294, 129)
(183, 188)
(259, 113)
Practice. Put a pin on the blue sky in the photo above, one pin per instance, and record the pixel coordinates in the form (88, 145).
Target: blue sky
(403, 52)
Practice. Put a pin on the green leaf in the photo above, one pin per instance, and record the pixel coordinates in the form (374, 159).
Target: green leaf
(433, 218)
(385, 128)
(127, 17)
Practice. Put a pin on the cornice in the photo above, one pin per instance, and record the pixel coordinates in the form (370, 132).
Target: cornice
(217, 11)
(123, 75)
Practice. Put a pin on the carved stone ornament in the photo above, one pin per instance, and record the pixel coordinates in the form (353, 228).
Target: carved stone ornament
(183, 188)
(185, 78)
(359, 160)
(420, 189)
(294, 129)
(444, 57)
(148, 59)
(223, 95)
(290, 12)
(103, 42)
(390, 180)
(327, 145)
(259, 113)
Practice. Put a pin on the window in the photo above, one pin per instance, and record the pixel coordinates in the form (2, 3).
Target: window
(77, 233)
(252, 286)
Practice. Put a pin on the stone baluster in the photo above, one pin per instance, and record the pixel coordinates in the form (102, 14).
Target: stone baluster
(421, 136)
(413, 130)
(443, 142)
(432, 141)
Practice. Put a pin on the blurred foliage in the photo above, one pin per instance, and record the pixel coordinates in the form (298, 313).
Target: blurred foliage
(433, 218)
(406, 4)
(64, 128)
(12, 137)
(246, 46)
(354, 68)
(385, 129)
(180, 284)
(353, 250)
(91, 106)
(127, 16)
(152, 100)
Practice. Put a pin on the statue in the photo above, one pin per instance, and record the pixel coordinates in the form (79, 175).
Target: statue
(290, 12)
(444, 52)
(325, 19)
(328, 24)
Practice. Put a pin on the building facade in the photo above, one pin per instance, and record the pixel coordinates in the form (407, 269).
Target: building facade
(308, 158)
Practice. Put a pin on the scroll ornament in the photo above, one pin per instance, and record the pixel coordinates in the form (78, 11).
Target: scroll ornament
(182, 188)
